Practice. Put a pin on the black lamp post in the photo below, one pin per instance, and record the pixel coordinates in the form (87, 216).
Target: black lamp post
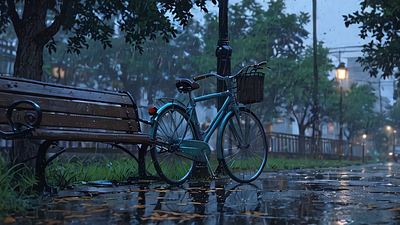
(223, 51)
(341, 73)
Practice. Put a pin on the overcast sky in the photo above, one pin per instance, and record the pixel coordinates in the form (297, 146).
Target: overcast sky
(330, 24)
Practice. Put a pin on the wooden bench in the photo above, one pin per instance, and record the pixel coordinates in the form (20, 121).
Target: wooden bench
(52, 112)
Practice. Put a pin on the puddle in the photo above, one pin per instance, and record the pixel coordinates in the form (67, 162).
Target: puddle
(318, 197)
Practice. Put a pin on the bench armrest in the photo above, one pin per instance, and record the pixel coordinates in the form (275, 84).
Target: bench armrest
(15, 135)
(31, 119)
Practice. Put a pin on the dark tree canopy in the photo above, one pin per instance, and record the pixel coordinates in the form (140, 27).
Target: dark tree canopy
(36, 22)
(379, 20)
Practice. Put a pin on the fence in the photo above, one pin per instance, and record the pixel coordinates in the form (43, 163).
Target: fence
(288, 145)
(280, 144)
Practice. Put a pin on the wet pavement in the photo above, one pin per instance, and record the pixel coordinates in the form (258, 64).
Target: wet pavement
(352, 195)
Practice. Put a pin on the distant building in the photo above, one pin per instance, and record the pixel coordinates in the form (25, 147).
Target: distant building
(7, 57)
(384, 88)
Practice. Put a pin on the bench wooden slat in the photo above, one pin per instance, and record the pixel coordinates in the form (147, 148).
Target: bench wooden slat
(77, 122)
(42, 89)
(138, 138)
(68, 106)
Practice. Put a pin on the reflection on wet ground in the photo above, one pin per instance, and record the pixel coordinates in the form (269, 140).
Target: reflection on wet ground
(352, 195)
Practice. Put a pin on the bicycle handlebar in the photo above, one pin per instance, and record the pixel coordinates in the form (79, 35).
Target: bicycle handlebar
(203, 76)
(256, 66)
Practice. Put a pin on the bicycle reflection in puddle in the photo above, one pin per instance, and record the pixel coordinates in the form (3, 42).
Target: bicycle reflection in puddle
(200, 201)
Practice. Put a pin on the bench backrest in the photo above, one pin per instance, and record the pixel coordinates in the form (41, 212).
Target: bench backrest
(68, 108)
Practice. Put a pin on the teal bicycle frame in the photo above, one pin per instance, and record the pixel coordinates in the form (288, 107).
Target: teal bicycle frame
(183, 136)
(200, 149)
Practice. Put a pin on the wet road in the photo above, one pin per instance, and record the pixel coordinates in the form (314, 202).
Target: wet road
(353, 195)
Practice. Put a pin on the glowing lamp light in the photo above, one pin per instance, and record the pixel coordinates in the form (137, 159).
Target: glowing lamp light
(341, 71)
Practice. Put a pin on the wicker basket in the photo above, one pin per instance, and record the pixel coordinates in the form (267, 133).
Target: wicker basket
(250, 87)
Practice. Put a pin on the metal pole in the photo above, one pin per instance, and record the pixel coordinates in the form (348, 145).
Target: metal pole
(341, 119)
(315, 92)
(340, 112)
(223, 51)
(363, 156)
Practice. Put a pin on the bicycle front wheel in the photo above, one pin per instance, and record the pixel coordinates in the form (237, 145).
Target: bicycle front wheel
(170, 127)
(243, 145)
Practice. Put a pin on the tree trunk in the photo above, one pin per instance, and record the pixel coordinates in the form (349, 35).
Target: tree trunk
(302, 141)
(29, 58)
(29, 63)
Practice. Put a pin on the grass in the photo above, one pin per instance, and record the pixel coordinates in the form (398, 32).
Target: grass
(16, 183)
(76, 170)
(16, 187)
(291, 164)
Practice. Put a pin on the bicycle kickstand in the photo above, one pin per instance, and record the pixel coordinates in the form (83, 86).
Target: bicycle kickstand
(208, 164)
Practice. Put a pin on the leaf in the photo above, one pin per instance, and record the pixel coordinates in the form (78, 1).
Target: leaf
(9, 220)
(138, 206)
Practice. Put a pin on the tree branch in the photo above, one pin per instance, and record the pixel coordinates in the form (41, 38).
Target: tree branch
(47, 34)
(17, 22)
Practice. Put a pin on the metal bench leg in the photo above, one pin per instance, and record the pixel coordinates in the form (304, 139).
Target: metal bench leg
(142, 163)
(142, 172)
(41, 164)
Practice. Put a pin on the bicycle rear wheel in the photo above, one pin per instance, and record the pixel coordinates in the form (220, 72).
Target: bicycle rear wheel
(170, 127)
(243, 146)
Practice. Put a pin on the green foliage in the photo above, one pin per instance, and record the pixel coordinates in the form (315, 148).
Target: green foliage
(95, 20)
(394, 115)
(98, 20)
(192, 52)
(16, 185)
(358, 108)
(299, 83)
(378, 20)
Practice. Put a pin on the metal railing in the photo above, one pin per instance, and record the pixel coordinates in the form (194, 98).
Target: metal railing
(301, 146)
(287, 145)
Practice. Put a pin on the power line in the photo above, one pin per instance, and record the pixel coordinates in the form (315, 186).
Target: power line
(351, 46)
(344, 51)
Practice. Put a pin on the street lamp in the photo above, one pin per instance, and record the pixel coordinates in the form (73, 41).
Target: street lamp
(341, 73)
(394, 143)
(363, 152)
(392, 140)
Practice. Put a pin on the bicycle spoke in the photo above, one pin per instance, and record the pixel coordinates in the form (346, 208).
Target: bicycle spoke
(171, 164)
(232, 157)
(163, 127)
(245, 162)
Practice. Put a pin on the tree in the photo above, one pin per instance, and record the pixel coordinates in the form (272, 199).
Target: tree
(394, 115)
(298, 97)
(257, 34)
(37, 22)
(83, 20)
(358, 111)
(358, 108)
(379, 21)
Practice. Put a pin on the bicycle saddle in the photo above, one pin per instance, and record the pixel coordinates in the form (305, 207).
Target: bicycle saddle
(185, 85)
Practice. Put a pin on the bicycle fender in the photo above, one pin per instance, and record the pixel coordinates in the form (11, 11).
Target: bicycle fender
(166, 105)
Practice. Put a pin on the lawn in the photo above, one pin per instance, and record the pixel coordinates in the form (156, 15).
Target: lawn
(291, 164)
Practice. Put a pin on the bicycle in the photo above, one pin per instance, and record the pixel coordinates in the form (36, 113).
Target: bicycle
(242, 147)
